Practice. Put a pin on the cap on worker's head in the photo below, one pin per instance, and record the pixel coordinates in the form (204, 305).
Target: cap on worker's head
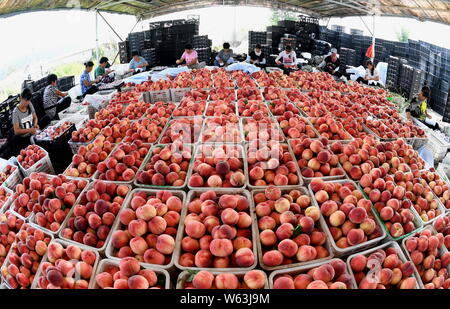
(334, 51)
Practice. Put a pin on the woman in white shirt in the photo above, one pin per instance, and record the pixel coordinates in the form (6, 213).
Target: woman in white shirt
(287, 59)
(372, 76)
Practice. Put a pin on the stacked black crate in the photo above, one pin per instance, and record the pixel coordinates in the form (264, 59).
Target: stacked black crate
(255, 38)
(66, 83)
(6, 109)
(202, 44)
(439, 97)
(150, 55)
(136, 41)
(356, 32)
(393, 72)
(320, 48)
(338, 28)
(274, 35)
(347, 58)
(124, 52)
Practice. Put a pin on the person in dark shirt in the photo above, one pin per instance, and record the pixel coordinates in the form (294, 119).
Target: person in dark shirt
(331, 64)
(257, 57)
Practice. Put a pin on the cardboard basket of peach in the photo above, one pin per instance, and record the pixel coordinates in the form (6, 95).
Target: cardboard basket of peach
(329, 274)
(13, 223)
(9, 175)
(427, 240)
(66, 196)
(226, 129)
(197, 249)
(34, 159)
(200, 174)
(316, 160)
(6, 198)
(303, 242)
(411, 216)
(345, 216)
(263, 170)
(254, 279)
(40, 248)
(375, 266)
(157, 215)
(158, 171)
(77, 256)
(75, 229)
(156, 277)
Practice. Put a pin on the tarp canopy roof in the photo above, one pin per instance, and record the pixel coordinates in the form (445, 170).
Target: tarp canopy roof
(430, 10)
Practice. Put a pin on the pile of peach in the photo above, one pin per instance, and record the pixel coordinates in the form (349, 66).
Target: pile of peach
(393, 272)
(377, 127)
(273, 93)
(404, 130)
(330, 275)
(442, 225)
(315, 159)
(51, 213)
(10, 224)
(430, 259)
(248, 108)
(161, 84)
(243, 81)
(92, 219)
(220, 130)
(123, 162)
(25, 256)
(254, 280)
(222, 80)
(249, 93)
(405, 153)
(146, 130)
(109, 112)
(354, 126)
(348, 214)
(218, 166)
(135, 110)
(167, 166)
(186, 130)
(4, 196)
(189, 108)
(128, 275)
(66, 267)
(30, 155)
(85, 162)
(90, 130)
(51, 197)
(421, 196)
(218, 108)
(197, 94)
(217, 232)
(226, 94)
(279, 106)
(271, 164)
(202, 82)
(160, 110)
(264, 129)
(389, 202)
(295, 126)
(149, 227)
(437, 184)
(7, 171)
(330, 128)
(288, 223)
(296, 96)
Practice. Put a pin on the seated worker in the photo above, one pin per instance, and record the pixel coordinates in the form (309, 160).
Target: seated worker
(257, 57)
(190, 57)
(287, 59)
(88, 86)
(331, 64)
(54, 100)
(418, 109)
(25, 124)
(372, 76)
(225, 56)
(102, 69)
(138, 62)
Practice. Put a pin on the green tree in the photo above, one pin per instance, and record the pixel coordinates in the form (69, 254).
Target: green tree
(278, 15)
(403, 35)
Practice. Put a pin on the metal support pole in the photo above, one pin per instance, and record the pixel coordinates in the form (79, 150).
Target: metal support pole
(96, 35)
(373, 36)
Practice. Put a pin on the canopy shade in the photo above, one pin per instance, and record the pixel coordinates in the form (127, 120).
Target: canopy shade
(430, 10)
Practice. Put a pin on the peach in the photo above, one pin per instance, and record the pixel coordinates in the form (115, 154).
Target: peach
(221, 247)
(272, 258)
(255, 279)
(355, 236)
(272, 193)
(306, 253)
(283, 282)
(358, 263)
(241, 242)
(324, 272)
(203, 280)
(153, 256)
(129, 266)
(408, 283)
(226, 281)
(302, 281)
(268, 238)
(138, 282)
(284, 231)
(104, 280)
(165, 244)
(288, 247)
(229, 216)
(357, 215)
(317, 285)
(244, 257)
(337, 218)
